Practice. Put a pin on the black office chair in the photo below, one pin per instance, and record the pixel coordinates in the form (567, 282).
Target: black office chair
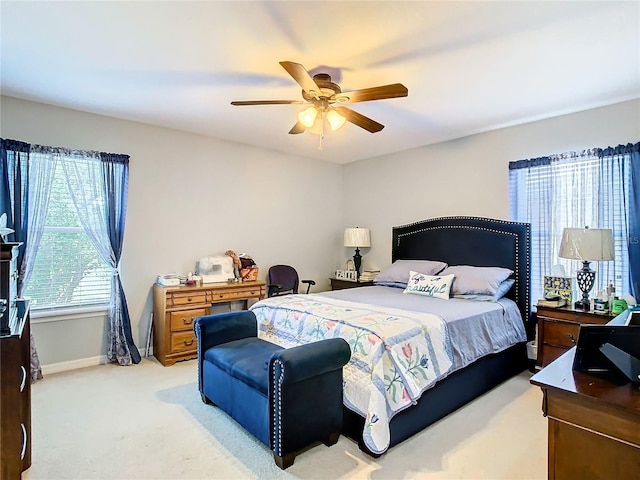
(283, 279)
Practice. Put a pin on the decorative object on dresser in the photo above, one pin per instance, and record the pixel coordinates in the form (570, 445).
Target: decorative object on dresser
(350, 275)
(561, 287)
(589, 245)
(216, 269)
(176, 308)
(558, 330)
(15, 381)
(357, 237)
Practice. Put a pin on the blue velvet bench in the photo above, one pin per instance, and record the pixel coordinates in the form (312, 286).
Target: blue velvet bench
(289, 399)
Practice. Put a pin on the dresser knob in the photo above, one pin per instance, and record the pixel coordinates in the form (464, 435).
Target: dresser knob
(24, 378)
(189, 299)
(572, 338)
(189, 343)
(23, 448)
(187, 321)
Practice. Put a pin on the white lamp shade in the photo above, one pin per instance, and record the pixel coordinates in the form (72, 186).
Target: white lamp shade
(587, 244)
(357, 237)
(335, 119)
(308, 116)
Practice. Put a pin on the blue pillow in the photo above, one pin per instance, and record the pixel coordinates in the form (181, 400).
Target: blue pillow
(501, 291)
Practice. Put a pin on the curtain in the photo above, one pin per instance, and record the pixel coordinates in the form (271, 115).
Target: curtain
(24, 197)
(628, 156)
(41, 171)
(574, 189)
(98, 185)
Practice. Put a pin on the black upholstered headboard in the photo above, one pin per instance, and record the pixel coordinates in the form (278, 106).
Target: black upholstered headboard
(482, 242)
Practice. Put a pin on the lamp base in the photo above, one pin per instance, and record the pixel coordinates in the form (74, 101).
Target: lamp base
(357, 261)
(585, 277)
(581, 305)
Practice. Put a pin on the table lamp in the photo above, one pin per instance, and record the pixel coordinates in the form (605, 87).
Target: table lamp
(357, 237)
(589, 245)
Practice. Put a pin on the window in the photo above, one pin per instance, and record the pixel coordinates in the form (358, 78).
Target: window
(68, 271)
(573, 190)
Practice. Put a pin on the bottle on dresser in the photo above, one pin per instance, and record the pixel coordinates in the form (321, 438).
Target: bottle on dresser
(611, 293)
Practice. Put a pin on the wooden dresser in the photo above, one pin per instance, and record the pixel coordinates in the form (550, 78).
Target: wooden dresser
(175, 309)
(15, 371)
(558, 330)
(594, 422)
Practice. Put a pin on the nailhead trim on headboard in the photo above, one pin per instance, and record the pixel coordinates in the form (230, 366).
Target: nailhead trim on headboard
(514, 235)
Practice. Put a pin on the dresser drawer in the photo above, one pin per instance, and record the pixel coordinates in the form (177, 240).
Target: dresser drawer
(186, 298)
(561, 334)
(183, 342)
(550, 353)
(183, 319)
(228, 295)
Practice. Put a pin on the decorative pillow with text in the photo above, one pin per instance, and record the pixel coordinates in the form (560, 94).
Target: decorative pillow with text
(437, 286)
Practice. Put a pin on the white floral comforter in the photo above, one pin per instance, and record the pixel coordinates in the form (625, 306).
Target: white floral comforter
(395, 354)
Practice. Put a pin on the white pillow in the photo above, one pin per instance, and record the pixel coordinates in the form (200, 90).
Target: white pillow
(437, 286)
(397, 275)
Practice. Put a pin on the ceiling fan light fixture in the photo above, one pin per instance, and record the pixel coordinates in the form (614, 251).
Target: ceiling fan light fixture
(335, 120)
(308, 116)
(318, 126)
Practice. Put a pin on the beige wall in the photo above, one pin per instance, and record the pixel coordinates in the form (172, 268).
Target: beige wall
(189, 196)
(467, 176)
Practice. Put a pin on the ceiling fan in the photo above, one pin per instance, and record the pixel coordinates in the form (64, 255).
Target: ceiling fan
(325, 99)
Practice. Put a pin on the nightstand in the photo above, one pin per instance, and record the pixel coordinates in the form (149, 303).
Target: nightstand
(341, 284)
(558, 330)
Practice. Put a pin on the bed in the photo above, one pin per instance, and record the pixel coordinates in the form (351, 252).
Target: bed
(417, 358)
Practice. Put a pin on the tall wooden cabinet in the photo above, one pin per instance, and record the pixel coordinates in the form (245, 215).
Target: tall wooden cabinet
(15, 382)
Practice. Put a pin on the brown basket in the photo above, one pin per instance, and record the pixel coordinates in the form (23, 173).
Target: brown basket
(249, 274)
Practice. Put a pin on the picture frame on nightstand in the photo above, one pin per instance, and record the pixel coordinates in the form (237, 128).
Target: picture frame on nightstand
(350, 275)
(558, 287)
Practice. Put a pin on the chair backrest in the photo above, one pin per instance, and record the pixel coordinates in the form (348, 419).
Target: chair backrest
(284, 275)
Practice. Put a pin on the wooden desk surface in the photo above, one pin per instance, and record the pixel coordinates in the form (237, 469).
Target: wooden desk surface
(594, 421)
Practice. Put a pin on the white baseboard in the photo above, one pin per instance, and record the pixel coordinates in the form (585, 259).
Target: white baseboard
(80, 363)
(73, 364)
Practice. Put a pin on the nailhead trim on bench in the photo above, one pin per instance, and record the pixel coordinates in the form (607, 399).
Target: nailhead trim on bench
(277, 414)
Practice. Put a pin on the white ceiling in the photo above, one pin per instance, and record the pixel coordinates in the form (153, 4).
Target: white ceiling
(469, 66)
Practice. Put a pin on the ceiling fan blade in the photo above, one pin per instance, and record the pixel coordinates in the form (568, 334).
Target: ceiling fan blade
(374, 93)
(298, 128)
(359, 119)
(268, 102)
(303, 78)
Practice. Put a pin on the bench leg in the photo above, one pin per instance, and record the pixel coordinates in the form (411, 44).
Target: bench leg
(332, 439)
(206, 400)
(284, 462)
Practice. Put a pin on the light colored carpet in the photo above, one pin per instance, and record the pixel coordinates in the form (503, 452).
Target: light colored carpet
(148, 422)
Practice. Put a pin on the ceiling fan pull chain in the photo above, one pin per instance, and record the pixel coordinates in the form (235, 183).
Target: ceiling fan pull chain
(320, 146)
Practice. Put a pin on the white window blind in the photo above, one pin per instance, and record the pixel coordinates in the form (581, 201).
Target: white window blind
(573, 191)
(68, 271)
